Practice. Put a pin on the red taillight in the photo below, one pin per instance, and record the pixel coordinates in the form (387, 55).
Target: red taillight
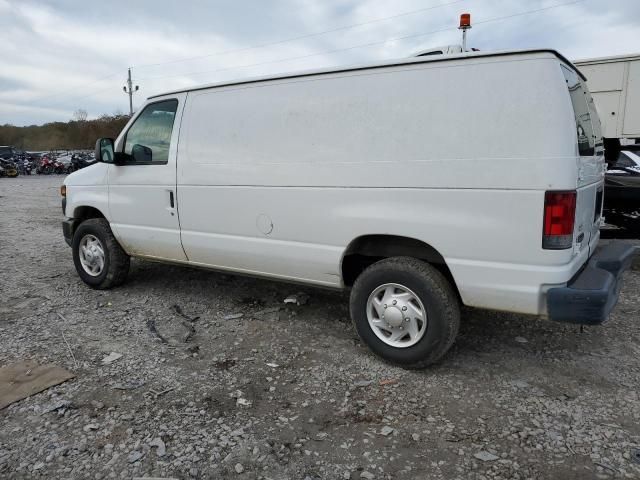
(559, 220)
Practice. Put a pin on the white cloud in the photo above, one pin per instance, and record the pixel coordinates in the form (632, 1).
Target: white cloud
(67, 54)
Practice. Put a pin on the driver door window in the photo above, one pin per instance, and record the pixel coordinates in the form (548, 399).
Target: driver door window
(147, 141)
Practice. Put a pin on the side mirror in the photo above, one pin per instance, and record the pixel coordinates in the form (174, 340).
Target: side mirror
(104, 150)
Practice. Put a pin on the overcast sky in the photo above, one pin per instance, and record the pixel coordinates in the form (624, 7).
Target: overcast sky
(58, 56)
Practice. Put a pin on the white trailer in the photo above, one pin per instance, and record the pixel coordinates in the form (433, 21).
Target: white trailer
(614, 83)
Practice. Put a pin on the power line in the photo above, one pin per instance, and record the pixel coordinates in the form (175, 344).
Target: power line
(494, 19)
(370, 44)
(70, 99)
(276, 42)
(302, 37)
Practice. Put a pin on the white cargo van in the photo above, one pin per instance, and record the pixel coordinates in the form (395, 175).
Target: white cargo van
(420, 184)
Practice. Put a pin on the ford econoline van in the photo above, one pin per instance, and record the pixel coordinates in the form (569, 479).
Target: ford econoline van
(421, 185)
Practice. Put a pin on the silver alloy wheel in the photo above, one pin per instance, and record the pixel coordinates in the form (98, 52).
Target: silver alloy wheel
(396, 315)
(91, 254)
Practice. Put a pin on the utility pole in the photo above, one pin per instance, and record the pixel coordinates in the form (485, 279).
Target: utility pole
(128, 89)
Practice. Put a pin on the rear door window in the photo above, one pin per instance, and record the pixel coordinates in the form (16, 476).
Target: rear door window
(584, 124)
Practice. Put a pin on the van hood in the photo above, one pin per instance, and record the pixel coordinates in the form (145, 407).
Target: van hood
(93, 175)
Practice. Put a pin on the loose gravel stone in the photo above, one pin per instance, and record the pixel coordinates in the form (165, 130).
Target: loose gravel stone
(486, 456)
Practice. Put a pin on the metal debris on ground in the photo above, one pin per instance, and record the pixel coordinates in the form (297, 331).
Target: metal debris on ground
(179, 311)
(112, 357)
(75, 362)
(151, 325)
(191, 331)
(297, 299)
(157, 394)
(59, 407)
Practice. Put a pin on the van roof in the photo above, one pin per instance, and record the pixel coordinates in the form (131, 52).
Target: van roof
(389, 63)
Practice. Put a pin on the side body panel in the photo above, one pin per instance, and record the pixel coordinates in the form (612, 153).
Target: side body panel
(278, 177)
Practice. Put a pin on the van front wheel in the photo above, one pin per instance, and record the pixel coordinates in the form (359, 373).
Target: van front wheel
(99, 259)
(405, 311)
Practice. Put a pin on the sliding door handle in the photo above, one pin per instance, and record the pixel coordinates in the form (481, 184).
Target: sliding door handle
(171, 202)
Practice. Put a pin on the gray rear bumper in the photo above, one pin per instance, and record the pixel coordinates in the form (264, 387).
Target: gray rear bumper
(591, 294)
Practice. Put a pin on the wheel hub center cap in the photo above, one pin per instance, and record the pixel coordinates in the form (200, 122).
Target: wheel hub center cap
(393, 316)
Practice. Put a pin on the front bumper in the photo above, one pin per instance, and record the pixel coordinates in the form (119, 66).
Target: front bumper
(591, 294)
(68, 229)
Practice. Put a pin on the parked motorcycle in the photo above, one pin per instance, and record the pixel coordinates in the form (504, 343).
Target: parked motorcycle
(46, 166)
(59, 167)
(81, 161)
(9, 167)
(24, 166)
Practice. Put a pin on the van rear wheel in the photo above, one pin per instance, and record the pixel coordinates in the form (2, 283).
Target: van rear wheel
(99, 259)
(405, 311)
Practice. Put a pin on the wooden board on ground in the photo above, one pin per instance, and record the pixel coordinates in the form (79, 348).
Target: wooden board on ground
(23, 379)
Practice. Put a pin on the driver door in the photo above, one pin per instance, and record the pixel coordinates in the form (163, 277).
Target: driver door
(142, 190)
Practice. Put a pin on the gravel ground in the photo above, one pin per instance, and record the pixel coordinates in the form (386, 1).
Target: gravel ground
(254, 388)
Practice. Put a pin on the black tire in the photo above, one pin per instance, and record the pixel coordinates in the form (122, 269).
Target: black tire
(439, 300)
(116, 262)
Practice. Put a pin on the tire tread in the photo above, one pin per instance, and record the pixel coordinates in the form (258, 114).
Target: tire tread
(443, 289)
(119, 261)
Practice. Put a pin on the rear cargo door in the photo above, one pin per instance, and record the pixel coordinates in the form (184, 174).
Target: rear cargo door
(590, 161)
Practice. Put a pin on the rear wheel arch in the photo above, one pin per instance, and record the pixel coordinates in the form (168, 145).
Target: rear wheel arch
(365, 250)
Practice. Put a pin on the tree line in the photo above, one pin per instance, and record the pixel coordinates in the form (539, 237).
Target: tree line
(77, 134)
